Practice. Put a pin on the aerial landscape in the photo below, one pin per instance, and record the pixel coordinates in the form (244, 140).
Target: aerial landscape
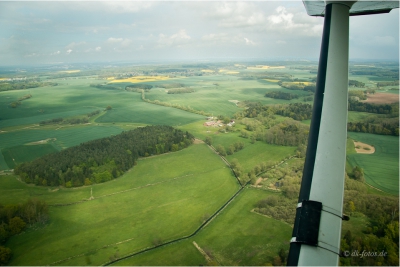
(114, 154)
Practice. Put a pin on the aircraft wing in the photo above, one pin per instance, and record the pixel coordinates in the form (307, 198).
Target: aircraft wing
(361, 7)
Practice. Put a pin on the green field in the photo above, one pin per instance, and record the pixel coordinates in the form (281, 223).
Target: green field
(164, 197)
(381, 169)
(18, 154)
(237, 237)
(157, 199)
(214, 98)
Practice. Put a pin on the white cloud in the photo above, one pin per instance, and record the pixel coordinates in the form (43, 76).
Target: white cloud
(55, 53)
(282, 17)
(178, 39)
(236, 14)
(249, 42)
(98, 49)
(69, 51)
(74, 45)
(126, 6)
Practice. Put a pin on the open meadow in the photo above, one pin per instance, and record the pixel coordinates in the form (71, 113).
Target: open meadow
(162, 198)
(251, 239)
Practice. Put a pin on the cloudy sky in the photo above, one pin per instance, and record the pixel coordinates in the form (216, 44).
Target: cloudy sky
(51, 32)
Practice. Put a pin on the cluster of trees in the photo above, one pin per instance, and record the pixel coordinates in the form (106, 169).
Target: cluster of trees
(387, 73)
(287, 133)
(106, 86)
(292, 86)
(383, 84)
(230, 149)
(357, 95)
(372, 108)
(15, 218)
(181, 91)
(137, 87)
(383, 127)
(172, 85)
(102, 159)
(358, 174)
(71, 120)
(355, 83)
(19, 101)
(382, 232)
(382, 212)
(18, 85)
(287, 178)
(297, 111)
(281, 95)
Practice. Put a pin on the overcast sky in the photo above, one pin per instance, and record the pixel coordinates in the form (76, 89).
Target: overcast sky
(69, 32)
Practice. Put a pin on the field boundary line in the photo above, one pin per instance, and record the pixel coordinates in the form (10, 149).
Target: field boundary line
(92, 251)
(131, 189)
(181, 238)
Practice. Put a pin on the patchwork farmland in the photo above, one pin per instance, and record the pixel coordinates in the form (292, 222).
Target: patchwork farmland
(227, 199)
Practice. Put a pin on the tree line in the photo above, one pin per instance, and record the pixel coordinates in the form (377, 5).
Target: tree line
(103, 159)
(383, 127)
(181, 91)
(356, 83)
(138, 86)
(172, 85)
(106, 86)
(15, 218)
(17, 85)
(71, 120)
(281, 95)
(19, 101)
(355, 105)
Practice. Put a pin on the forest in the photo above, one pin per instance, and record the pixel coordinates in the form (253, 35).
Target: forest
(103, 159)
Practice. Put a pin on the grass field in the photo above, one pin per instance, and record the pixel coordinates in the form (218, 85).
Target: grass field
(249, 239)
(157, 199)
(213, 92)
(381, 169)
(18, 154)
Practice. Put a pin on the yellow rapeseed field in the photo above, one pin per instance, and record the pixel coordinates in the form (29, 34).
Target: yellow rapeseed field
(264, 67)
(141, 79)
(272, 80)
(228, 71)
(207, 70)
(70, 71)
